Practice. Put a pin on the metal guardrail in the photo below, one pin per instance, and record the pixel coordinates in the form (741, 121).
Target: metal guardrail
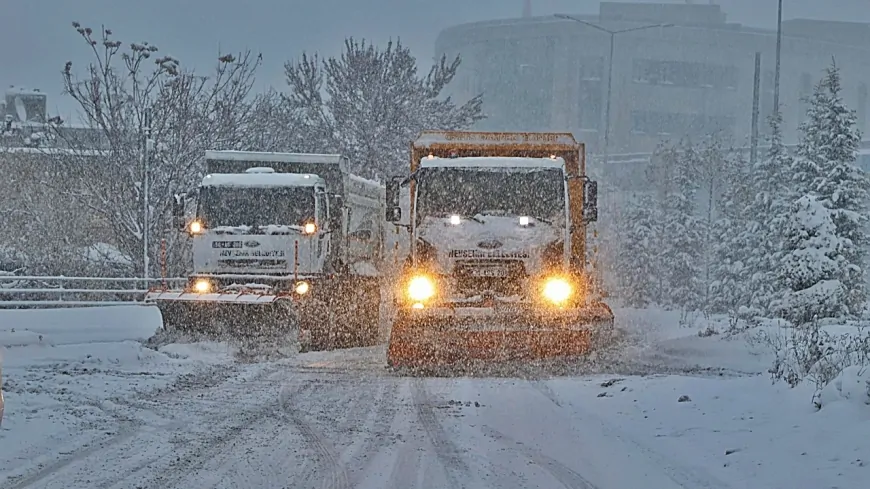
(39, 291)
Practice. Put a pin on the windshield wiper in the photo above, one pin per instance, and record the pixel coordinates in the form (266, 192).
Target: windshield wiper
(477, 219)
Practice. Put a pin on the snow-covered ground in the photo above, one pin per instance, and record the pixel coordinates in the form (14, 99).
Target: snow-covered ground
(89, 405)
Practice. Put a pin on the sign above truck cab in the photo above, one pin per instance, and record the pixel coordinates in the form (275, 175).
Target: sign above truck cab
(263, 179)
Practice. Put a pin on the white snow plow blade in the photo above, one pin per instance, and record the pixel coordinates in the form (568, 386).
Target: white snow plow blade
(226, 315)
(243, 297)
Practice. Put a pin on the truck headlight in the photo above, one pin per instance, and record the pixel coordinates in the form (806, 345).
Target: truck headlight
(557, 290)
(309, 228)
(302, 288)
(202, 286)
(195, 227)
(421, 288)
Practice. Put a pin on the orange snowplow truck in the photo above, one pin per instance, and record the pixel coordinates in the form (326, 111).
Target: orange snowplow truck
(496, 266)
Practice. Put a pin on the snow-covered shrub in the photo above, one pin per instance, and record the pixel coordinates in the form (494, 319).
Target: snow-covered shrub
(815, 352)
(851, 385)
(811, 264)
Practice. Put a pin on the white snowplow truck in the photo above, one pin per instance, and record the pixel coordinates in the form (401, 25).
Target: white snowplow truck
(285, 245)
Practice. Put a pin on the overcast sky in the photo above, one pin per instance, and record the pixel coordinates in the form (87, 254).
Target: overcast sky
(36, 37)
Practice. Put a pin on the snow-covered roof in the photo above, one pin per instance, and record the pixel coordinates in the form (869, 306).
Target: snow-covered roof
(24, 91)
(273, 157)
(54, 151)
(365, 181)
(493, 162)
(261, 180)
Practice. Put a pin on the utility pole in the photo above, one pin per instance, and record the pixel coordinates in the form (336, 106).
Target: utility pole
(756, 94)
(609, 70)
(778, 53)
(146, 166)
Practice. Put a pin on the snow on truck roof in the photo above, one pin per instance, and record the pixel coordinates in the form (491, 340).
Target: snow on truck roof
(273, 157)
(495, 162)
(263, 180)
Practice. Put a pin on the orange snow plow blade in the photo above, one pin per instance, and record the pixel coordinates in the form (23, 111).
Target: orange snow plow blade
(424, 338)
(239, 315)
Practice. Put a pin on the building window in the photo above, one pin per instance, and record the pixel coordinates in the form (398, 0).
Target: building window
(591, 68)
(590, 91)
(684, 74)
(671, 124)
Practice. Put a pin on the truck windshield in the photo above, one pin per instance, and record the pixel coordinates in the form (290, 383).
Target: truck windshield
(538, 193)
(256, 206)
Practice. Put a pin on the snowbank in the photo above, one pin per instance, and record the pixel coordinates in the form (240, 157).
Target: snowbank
(66, 373)
(851, 386)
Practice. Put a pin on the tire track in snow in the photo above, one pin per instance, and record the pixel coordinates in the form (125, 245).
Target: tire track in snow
(456, 469)
(222, 429)
(378, 424)
(559, 471)
(406, 469)
(131, 451)
(688, 477)
(128, 427)
(123, 434)
(327, 458)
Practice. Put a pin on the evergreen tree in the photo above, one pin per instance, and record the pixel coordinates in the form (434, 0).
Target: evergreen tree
(729, 271)
(811, 261)
(711, 167)
(684, 232)
(636, 267)
(826, 168)
(765, 216)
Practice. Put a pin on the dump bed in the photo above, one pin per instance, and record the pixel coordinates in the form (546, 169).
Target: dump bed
(446, 144)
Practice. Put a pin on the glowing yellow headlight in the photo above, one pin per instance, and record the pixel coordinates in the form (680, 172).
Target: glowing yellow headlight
(309, 228)
(557, 290)
(195, 227)
(420, 289)
(302, 288)
(202, 286)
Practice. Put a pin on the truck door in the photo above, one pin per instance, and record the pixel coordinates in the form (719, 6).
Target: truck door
(322, 245)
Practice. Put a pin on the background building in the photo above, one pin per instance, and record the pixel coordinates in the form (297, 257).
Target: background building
(688, 79)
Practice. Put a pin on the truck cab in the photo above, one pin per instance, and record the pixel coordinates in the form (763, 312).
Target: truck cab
(490, 226)
(258, 224)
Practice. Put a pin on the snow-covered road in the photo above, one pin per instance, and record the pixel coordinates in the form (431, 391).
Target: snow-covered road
(341, 420)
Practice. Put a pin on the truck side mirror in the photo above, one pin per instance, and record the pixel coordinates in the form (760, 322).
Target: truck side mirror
(590, 201)
(394, 211)
(178, 205)
(178, 211)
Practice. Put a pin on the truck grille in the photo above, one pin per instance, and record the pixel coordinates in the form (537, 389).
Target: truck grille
(502, 277)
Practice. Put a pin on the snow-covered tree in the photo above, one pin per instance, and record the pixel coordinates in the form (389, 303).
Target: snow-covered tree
(765, 216)
(825, 167)
(188, 115)
(683, 229)
(811, 263)
(637, 266)
(729, 270)
(375, 103)
(713, 163)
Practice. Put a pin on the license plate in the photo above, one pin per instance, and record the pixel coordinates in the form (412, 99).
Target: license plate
(489, 272)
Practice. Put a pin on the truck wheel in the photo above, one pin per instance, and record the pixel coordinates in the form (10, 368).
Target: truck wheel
(369, 309)
(358, 315)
